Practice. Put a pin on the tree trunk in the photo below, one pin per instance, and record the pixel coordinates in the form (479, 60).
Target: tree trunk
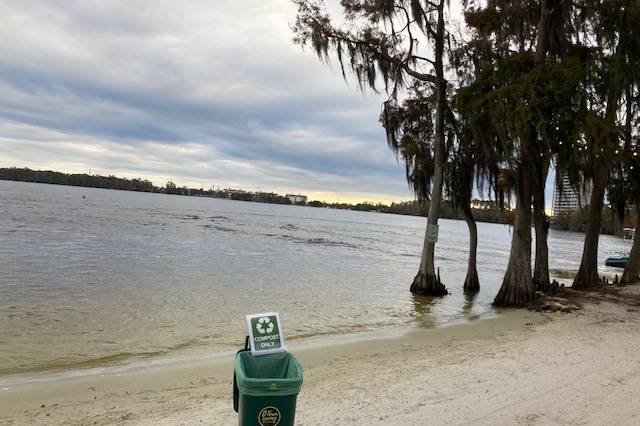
(517, 287)
(426, 281)
(632, 269)
(471, 282)
(587, 276)
(544, 29)
(541, 223)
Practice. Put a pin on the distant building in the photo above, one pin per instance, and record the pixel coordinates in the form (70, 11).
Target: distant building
(566, 199)
(232, 193)
(297, 198)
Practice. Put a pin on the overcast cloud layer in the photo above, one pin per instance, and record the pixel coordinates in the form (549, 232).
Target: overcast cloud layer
(201, 92)
(196, 91)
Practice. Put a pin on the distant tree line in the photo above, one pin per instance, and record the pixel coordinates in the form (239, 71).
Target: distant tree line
(140, 185)
(77, 179)
(230, 194)
(490, 211)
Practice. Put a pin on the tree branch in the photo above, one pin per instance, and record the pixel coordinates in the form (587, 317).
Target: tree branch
(420, 76)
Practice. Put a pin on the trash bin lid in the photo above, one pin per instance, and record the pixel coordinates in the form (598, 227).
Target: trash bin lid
(276, 374)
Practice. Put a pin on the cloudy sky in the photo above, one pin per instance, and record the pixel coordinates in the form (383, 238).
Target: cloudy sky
(200, 92)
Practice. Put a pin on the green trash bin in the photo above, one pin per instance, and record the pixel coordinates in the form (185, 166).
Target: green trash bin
(266, 388)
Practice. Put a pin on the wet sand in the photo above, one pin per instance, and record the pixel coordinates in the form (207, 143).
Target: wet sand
(521, 367)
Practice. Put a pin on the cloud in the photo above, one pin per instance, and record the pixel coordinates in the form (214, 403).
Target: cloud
(200, 92)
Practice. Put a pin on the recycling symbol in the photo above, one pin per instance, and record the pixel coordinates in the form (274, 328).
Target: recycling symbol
(264, 325)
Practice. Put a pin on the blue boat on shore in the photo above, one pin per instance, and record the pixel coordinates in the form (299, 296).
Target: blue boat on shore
(617, 262)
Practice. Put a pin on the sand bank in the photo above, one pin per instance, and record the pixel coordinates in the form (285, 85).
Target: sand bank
(521, 367)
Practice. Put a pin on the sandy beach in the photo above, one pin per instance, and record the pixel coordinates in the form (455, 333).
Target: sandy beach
(521, 367)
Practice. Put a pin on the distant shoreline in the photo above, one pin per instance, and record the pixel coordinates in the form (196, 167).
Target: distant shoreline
(490, 213)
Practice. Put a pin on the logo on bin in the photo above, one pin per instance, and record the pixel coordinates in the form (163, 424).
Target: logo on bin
(264, 325)
(269, 416)
(265, 333)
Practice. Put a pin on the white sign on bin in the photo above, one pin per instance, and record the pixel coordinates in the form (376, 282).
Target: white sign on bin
(265, 333)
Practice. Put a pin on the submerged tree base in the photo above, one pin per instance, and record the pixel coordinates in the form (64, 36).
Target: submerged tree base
(428, 285)
(517, 289)
(471, 283)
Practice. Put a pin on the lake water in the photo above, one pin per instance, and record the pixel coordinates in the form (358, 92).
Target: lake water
(92, 277)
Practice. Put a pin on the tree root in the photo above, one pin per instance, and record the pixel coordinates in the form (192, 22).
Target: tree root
(549, 288)
(428, 285)
(587, 280)
(546, 303)
(541, 283)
